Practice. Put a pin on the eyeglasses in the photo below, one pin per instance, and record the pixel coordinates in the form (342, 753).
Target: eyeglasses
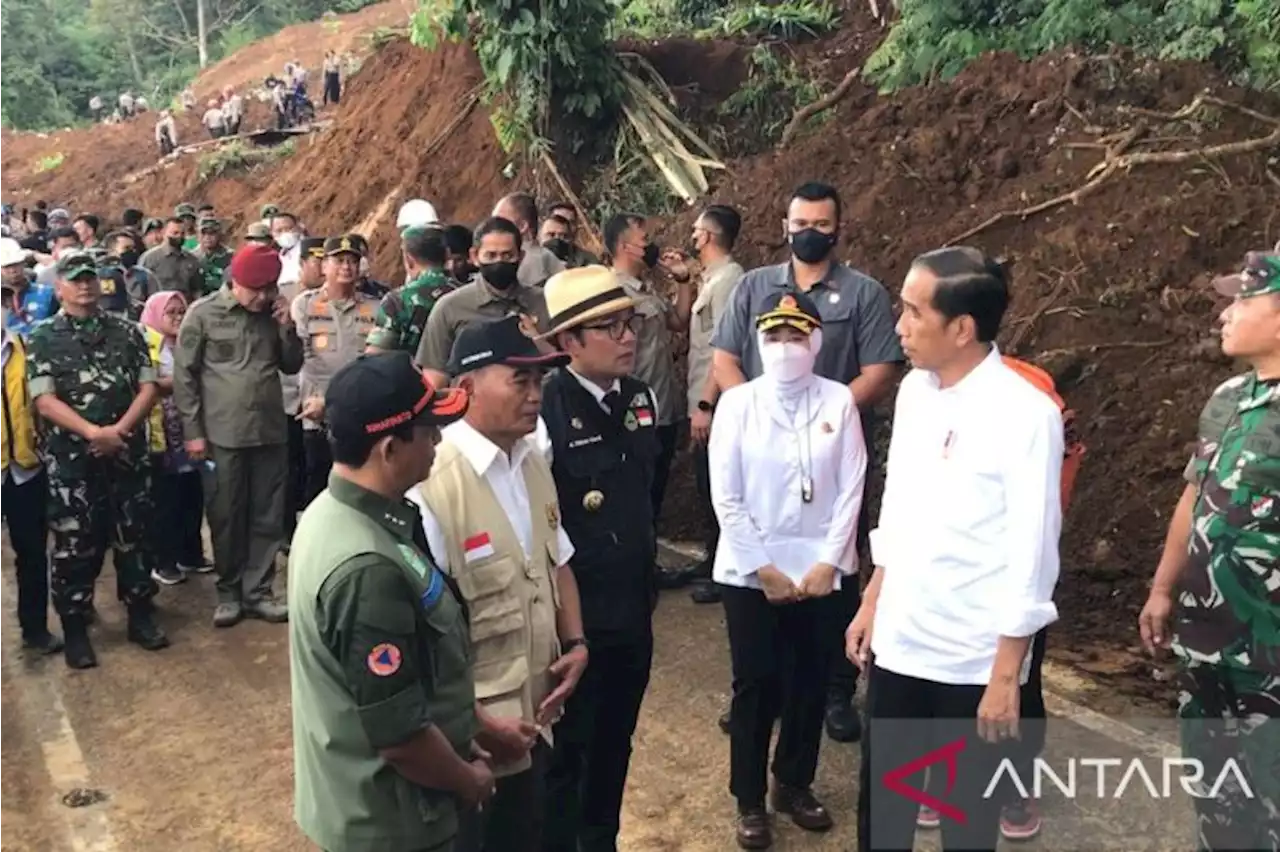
(617, 327)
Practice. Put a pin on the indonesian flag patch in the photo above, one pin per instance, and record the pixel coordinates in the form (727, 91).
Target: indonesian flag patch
(478, 546)
(644, 417)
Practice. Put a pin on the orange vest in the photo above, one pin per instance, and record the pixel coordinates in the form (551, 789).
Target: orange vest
(1075, 449)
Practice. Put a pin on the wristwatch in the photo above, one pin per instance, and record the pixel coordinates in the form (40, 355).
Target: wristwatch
(577, 642)
(703, 405)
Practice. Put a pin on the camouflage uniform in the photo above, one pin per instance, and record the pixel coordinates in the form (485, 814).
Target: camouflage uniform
(402, 315)
(95, 365)
(1227, 626)
(214, 264)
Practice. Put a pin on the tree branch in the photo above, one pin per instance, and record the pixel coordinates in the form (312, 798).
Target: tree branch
(808, 111)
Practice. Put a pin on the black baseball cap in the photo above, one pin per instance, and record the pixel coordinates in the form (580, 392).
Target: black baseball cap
(345, 244)
(375, 394)
(508, 341)
(313, 247)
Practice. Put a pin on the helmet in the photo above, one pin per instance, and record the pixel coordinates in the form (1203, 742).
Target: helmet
(416, 213)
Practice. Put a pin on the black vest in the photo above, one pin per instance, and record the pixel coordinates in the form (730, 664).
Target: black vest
(603, 467)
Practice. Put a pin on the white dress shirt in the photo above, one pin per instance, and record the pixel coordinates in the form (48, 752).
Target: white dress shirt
(503, 475)
(759, 454)
(969, 523)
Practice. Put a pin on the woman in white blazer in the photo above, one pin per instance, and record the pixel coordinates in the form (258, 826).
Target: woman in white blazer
(787, 461)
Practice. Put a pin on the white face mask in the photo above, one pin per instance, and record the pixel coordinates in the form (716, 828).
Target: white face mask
(787, 362)
(287, 240)
(364, 267)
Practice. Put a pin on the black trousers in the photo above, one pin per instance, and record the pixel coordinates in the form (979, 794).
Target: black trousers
(332, 88)
(780, 662)
(667, 436)
(702, 481)
(295, 484)
(588, 768)
(179, 513)
(512, 820)
(937, 714)
(318, 462)
(25, 510)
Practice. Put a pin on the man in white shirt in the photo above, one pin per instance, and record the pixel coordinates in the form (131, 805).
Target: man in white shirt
(288, 236)
(966, 552)
(492, 519)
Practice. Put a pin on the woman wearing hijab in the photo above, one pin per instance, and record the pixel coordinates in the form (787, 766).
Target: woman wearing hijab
(787, 462)
(176, 484)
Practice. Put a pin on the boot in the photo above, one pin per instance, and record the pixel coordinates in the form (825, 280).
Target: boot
(78, 652)
(143, 630)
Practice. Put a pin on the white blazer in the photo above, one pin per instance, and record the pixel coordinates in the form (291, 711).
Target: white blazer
(758, 460)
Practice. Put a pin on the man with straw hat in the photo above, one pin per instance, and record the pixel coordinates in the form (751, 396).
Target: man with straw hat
(602, 427)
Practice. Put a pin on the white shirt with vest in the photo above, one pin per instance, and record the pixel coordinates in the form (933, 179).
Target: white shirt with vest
(765, 444)
(969, 523)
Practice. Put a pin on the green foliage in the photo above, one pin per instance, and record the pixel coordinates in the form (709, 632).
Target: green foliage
(237, 156)
(58, 54)
(50, 162)
(794, 19)
(790, 21)
(773, 91)
(937, 38)
(532, 52)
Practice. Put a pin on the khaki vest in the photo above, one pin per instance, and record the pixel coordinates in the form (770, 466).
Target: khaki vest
(513, 600)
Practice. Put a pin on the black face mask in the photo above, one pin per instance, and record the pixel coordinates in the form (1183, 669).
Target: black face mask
(501, 275)
(811, 245)
(651, 253)
(175, 242)
(464, 272)
(129, 259)
(558, 246)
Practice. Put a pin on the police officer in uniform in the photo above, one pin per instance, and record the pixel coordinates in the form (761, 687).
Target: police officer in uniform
(602, 427)
(309, 278)
(389, 744)
(333, 322)
(91, 379)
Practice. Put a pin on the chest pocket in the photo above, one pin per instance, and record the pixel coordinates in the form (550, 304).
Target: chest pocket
(839, 313)
(1261, 471)
(223, 345)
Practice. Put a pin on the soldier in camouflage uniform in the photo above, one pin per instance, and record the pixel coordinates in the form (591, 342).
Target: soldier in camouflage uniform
(1222, 556)
(214, 257)
(402, 315)
(93, 383)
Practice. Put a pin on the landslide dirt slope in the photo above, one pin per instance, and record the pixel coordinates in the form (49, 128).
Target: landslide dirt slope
(95, 159)
(1109, 292)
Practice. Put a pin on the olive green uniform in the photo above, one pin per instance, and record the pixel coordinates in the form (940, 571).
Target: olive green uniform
(379, 650)
(477, 301)
(227, 388)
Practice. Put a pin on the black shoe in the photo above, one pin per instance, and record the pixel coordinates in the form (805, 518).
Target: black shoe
(168, 575)
(46, 643)
(803, 807)
(143, 630)
(676, 578)
(705, 592)
(843, 724)
(753, 829)
(78, 652)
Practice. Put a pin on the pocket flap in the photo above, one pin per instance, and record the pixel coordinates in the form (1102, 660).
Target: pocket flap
(498, 678)
(495, 619)
(486, 578)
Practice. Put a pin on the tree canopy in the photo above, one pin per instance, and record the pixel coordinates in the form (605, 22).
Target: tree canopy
(60, 53)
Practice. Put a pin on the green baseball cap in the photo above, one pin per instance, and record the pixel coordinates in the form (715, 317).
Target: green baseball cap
(1261, 274)
(183, 210)
(76, 263)
(268, 210)
(210, 226)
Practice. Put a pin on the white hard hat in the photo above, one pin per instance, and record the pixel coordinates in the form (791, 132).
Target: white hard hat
(417, 213)
(11, 252)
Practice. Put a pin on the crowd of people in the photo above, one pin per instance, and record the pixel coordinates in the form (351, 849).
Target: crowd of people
(464, 473)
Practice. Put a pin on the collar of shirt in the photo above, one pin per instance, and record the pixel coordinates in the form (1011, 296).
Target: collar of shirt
(399, 517)
(972, 379)
(789, 283)
(510, 296)
(484, 454)
(594, 389)
(228, 298)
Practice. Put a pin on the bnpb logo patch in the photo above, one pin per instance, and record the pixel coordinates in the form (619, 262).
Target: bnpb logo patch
(384, 659)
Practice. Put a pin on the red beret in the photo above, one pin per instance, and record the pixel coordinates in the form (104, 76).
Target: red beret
(255, 266)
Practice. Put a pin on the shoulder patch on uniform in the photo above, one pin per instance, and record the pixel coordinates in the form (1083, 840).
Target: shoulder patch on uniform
(434, 589)
(384, 660)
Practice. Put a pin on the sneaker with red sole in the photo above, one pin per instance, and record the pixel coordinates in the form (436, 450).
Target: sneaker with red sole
(928, 818)
(1020, 820)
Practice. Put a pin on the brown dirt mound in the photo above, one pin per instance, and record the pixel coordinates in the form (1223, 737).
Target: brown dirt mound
(1110, 291)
